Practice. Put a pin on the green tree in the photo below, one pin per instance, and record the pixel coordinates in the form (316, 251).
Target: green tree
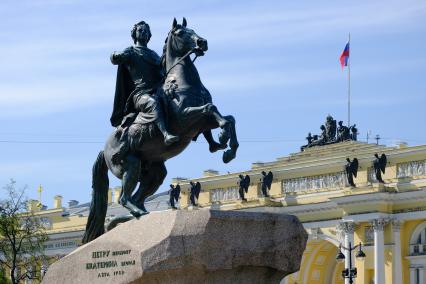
(22, 236)
(3, 278)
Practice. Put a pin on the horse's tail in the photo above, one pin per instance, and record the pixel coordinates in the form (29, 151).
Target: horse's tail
(99, 205)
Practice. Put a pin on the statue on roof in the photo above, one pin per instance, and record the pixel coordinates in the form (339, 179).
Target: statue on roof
(330, 129)
(351, 169)
(243, 183)
(343, 132)
(379, 165)
(266, 182)
(354, 134)
(174, 193)
(194, 192)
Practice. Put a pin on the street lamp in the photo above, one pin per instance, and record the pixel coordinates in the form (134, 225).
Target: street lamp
(350, 272)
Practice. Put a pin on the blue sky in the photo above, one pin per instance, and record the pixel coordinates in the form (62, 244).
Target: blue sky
(272, 64)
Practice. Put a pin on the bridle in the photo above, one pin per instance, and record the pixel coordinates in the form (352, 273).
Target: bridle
(181, 59)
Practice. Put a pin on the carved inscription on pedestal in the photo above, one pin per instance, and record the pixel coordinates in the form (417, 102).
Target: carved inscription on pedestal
(107, 263)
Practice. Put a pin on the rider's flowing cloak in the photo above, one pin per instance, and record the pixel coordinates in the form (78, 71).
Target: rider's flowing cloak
(123, 88)
(151, 102)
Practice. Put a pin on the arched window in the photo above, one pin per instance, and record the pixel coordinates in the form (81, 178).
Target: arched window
(418, 240)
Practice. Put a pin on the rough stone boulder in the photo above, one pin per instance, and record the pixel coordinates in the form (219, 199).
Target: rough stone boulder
(199, 246)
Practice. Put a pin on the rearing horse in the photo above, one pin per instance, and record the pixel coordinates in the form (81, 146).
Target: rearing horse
(190, 112)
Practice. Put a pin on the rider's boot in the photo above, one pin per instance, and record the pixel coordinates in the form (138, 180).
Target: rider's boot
(168, 138)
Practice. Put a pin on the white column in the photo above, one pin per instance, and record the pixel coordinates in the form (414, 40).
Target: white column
(379, 251)
(422, 275)
(347, 228)
(412, 275)
(397, 260)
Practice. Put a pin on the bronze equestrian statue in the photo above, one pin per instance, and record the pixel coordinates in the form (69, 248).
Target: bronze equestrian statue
(160, 106)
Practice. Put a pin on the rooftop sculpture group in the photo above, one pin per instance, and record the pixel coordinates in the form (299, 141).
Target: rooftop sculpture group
(160, 106)
(331, 133)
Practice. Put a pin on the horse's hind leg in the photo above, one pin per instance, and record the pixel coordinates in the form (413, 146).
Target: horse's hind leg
(149, 181)
(130, 179)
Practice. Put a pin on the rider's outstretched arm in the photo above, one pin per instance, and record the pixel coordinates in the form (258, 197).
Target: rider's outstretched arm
(118, 58)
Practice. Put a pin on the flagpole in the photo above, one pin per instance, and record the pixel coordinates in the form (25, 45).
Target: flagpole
(349, 82)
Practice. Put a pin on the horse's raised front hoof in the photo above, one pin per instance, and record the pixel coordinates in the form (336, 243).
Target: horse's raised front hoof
(228, 156)
(214, 147)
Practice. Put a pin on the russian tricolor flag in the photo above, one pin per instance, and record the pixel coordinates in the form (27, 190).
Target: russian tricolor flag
(344, 58)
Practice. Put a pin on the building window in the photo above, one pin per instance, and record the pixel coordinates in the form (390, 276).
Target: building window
(417, 276)
(418, 242)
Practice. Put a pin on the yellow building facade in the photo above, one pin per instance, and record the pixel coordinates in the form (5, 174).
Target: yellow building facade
(389, 219)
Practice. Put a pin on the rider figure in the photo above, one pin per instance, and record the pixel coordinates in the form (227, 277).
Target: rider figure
(138, 77)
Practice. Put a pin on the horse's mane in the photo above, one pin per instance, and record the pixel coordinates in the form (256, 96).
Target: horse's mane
(163, 56)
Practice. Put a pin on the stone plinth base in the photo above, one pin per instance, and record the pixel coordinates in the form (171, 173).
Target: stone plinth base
(199, 246)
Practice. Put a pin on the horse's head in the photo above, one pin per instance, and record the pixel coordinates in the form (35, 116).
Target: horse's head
(182, 40)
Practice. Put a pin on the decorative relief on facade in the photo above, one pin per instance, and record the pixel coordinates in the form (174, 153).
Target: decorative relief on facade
(369, 235)
(224, 194)
(379, 224)
(62, 244)
(315, 232)
(331, 181)
(316, 275)
(371, 175)
(46, 222)
(411, 169)
(320, 260)
(346, 227)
